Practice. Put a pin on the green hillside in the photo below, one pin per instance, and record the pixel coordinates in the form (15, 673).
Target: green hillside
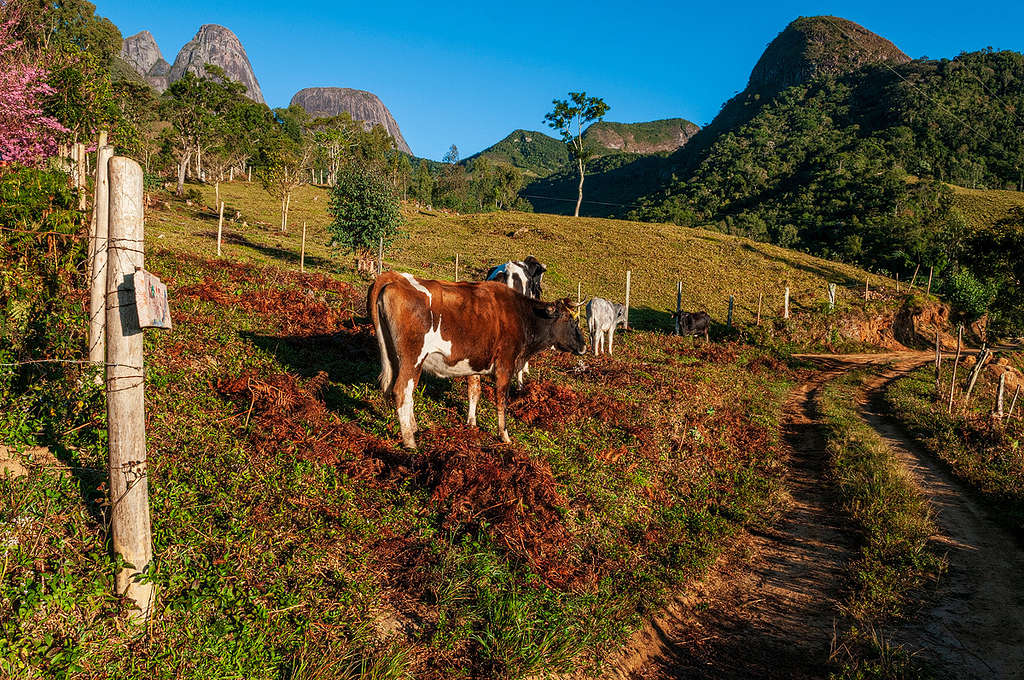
(535, 153)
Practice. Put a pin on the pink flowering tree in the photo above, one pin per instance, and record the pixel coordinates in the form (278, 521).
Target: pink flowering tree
(27, 135)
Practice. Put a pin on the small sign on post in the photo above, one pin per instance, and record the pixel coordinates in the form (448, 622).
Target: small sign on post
(151, 301)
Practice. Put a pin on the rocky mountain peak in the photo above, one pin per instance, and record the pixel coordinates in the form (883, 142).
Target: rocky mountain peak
(325, 102)
(217, 45)
(819, 45)
(141, 52)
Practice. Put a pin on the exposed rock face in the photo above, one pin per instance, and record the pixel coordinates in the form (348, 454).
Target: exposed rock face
(217, 45)
(141, 52)
(322, 102)
(651, 137)
(813, 45)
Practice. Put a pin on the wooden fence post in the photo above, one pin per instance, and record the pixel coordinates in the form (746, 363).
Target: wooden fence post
(629, 274)
(785, 308)
(831, 297)
(982, 358)
(679, 303)
(897, 282)
(456, 267)
(220, 227)
(216, 193)
(126, 404)
(302, 253)
(956, 362)
(866, 279)
(231, 174)
(98, 266)
(80, 170)
(250, 173)
(380, 257)
(931, 270)
(914, 280)
(1013, 402)
(999, 395)
(938, 363)
(579, 292)
(732, 299)
(760, 298)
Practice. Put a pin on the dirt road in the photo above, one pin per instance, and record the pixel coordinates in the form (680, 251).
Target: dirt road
(768, 609)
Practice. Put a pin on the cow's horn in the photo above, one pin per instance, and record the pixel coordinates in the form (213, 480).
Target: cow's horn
(576, 305)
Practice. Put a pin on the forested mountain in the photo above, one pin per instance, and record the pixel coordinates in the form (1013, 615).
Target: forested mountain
(535, 153)
(654, 136)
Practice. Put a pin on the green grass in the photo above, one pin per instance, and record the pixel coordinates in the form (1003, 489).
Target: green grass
(292, 537)
(877, 492)
(896, 558)
(984, 454)
(593, 252)
(983, 208)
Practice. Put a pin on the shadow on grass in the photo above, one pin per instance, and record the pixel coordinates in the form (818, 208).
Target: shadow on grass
(292, 258)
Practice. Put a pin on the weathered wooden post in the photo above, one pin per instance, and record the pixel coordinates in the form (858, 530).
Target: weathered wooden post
(629, 274)
(80, 170)
(866, 279)
(956, 363)
(785, 308)
(1013, 402)
(760, 298)
(302, 252)
(930, 272)
(216, 193)
(914, 279)
(126, 403)
(897, 282)
(982, 358)
(231, 174)
(380, 257)
(999, 395)
(456, 267)
(579, 292)
(728, 322)
(250, 173)
(98, 267)
(831, 297)
(679, 303)
(938, 363)
(220, 228)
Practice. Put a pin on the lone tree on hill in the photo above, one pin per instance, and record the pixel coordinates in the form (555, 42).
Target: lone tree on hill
(570, 117)
(365, 208)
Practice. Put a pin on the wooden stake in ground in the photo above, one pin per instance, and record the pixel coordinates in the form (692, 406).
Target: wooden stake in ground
(999, 395)
(250, 173)
(938, 363)
(220, 228)
(956, 362)
(732, 299)
(126, 403)
(629, 274)
(380, 257)
(102, 142)
(785, 308)
(1013, 402)
(760, 298)
(914, 280)
(866, 287)
(579, 292)
(216, 193)
(982, 358)
(80, 169)
(231, 173)
(679, 303)
(831, 297)
(456, 267)
(897, 282)
(931, 270)
(302, 252)
(98, 270)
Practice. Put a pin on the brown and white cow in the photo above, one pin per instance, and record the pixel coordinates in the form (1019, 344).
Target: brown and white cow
(461, 329)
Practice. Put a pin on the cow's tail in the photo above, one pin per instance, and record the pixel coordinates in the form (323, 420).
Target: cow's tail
(382, 328)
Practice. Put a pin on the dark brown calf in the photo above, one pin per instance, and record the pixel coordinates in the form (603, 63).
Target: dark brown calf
(460, 329)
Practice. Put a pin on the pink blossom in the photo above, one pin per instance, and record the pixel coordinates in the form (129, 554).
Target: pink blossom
(27, 136)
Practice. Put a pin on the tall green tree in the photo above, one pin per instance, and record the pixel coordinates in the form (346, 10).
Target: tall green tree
(570, 117)
(365, 208)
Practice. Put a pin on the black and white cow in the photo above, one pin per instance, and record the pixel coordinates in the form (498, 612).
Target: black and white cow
(602, 318)
(523, 276)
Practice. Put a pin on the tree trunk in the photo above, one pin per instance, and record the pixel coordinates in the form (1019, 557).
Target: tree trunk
(182, 167)
(579, 198)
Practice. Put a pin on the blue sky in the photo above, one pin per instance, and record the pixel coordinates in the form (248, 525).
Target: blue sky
(470, 73)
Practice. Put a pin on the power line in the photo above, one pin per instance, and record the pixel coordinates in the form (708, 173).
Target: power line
(573, 200)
